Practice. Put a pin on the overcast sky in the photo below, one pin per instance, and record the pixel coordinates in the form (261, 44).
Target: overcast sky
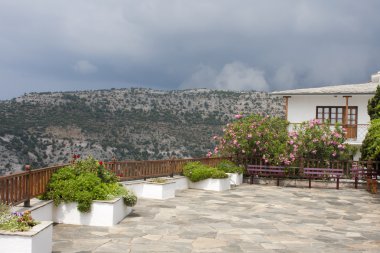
(59, 45)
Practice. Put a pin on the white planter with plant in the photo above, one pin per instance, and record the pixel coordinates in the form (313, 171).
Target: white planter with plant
(211, 184)
(206, 178)
(103, 213)
(155, 188)
(159, 188)
(85, 193)
(235, 178)
(235, 173)
(19, 232)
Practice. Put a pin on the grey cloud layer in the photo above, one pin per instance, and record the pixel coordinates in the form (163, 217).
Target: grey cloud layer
(259, 45)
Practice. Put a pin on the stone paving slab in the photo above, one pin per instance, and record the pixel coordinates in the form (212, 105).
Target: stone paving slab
(248, 218)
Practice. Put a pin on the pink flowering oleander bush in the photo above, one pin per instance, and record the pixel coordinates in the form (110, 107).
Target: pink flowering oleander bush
(268, 138)
(315, 140)
(254, 136)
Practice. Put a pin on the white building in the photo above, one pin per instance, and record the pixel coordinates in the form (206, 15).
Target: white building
(344, 104)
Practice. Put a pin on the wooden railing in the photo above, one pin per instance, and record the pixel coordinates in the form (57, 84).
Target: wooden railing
(21, 187)
(129, 170)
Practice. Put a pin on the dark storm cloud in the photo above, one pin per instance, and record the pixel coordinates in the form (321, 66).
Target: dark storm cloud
(261, 45)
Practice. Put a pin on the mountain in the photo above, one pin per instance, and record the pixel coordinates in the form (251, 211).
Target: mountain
(136, 124)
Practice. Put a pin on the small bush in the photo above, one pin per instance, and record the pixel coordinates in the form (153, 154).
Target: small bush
(84, 182)
(229, 167)
(197, 171)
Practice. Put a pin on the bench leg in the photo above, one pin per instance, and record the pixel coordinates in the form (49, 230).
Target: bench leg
(337, 183)
(251, 179)
(309, 182)
(278, 181)
(356, 182)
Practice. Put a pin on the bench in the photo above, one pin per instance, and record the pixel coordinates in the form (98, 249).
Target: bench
(323, 173)
(358, 171)
(266, 171)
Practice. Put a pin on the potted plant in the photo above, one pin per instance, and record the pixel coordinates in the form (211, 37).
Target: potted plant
(159, 188)
(86, 193)
(19, 232)
(235, 173)
(206, 178)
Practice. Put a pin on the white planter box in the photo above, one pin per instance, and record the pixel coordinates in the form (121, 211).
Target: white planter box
(235, 178)
(181, 183)
(153, 190)
(211, 184)
(103, 213)
(37, 240)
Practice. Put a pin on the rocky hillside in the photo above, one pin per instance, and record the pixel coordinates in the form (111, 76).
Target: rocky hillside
(47, 128)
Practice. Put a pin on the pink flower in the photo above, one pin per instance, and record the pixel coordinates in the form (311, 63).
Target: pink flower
(249, 136)
(314, 152)
(334, 154)
(215, 137)
(238, 116)
(209, 154)
(257, 142)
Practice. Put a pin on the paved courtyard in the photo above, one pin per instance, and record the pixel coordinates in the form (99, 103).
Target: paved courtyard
(249, 218)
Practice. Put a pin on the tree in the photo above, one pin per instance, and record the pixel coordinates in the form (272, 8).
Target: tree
(374, 105)
(371, 145)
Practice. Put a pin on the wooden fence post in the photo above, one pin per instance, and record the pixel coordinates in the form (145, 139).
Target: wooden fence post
(27, 201)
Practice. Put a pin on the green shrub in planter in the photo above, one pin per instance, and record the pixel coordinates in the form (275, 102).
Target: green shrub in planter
(196, 171)
(84, 182)
(229, 167)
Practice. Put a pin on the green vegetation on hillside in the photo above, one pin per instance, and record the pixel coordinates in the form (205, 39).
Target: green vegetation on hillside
(139, 124)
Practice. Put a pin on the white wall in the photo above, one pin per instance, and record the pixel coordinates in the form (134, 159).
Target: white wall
(303, 107)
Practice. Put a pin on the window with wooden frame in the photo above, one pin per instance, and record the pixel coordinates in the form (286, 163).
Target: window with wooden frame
(335, 114)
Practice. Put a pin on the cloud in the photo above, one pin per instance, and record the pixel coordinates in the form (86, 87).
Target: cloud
(233, 76)
(85, 67)
(170, 44)
(285, 77)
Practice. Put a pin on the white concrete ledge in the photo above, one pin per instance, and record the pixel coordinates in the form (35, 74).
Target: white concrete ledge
(37, 240)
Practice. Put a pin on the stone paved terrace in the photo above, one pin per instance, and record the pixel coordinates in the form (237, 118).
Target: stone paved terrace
(249, 218)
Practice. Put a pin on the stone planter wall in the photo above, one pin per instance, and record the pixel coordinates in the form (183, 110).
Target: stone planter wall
(37, 240)
(211, 184)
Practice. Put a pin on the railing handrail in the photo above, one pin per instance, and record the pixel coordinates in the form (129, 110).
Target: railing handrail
(21, 186)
